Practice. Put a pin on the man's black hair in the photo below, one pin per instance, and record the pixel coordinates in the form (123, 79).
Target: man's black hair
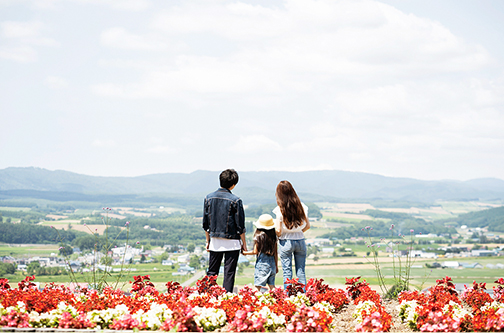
(228, 178)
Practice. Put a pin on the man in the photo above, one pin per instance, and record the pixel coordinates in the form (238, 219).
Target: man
(224, 225)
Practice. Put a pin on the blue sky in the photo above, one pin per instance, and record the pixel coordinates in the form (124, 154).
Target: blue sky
(133, 87)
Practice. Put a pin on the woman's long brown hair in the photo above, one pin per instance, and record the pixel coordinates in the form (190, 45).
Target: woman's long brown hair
(290, 205)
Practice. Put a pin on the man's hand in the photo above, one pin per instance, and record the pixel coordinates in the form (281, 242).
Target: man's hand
(244, 248)
(207, 240)
(243, 242)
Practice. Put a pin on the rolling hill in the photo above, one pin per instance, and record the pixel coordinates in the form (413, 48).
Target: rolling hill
(61, 185)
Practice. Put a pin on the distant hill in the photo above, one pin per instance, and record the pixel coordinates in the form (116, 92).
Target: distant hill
(315, 185)
(492, 218)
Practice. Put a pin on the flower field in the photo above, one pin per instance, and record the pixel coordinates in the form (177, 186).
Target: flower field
(315, 307)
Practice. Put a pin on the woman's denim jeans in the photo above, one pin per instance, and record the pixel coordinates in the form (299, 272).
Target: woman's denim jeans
(287, 248)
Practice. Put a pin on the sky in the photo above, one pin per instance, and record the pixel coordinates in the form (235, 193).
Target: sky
(401, 88)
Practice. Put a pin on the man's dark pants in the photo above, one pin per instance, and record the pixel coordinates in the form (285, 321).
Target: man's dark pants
(230, 263)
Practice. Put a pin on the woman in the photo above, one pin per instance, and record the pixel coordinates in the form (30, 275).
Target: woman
(290, 225)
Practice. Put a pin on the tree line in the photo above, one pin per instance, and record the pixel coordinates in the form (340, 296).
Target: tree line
(24, 233)
(492, 218)
(403, 224)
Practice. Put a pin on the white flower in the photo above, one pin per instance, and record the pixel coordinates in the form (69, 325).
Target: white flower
(104, 318)
(408, 313)
(325, 306)
(300, 299)
(272, 319)
(45, 319)
(224, 297)
(366, 305)
(209, 319)
(458, 311)
(265, 298)
(494, 305)
(155, 316)
(193, 296)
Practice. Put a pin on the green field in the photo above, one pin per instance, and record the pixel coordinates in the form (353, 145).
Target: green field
(15, 209)
(29, 250)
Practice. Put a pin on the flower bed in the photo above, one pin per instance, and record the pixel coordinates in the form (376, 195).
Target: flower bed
(444, 310)
(207, 307)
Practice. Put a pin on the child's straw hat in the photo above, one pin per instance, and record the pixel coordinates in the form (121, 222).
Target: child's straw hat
(265, 222)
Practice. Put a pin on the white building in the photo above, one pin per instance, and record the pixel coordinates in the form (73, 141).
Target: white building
(451, 264)
(183, 258)
(422, 254)
(127, 251)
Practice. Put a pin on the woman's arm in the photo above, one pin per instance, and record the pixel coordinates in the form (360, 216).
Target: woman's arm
(278, 227)
(307, 226)
(276, 257)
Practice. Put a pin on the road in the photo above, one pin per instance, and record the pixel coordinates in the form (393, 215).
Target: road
(198, 275)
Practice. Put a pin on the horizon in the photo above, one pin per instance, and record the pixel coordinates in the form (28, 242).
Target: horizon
(286, 171)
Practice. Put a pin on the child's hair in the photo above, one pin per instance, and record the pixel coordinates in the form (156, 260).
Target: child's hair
(266, 241)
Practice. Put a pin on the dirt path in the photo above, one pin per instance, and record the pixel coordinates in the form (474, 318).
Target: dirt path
(198, 275)
(344, 322)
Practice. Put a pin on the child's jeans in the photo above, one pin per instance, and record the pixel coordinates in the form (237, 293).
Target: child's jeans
(265, 270)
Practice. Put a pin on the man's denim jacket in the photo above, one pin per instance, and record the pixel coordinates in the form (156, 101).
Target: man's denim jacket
(223, 215)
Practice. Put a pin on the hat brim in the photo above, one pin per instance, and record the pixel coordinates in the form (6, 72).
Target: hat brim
(260, 226)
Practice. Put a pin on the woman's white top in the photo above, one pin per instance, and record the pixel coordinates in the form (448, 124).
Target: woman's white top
(294, 233)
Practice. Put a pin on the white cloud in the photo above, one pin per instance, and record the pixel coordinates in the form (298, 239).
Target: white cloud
(56, 82)
(343, 84)
(13, 29)
(292, 48)
(20, 39)
(255, 144)
(120, 38)
(22, 54)
(299, 168)
(104, 143)
(129, 5)
(192, 74)
(161, 149)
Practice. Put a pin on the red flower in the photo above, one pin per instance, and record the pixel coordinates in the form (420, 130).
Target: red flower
(294, 287)
(27, 283)
(476, 296)
(4, 284)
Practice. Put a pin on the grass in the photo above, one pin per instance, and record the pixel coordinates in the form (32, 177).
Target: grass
(28, 250)
(15, 209)
(334, 274)
(159, 275)
(83, 212)
(458, 207)
(63, 222)
(315, 232)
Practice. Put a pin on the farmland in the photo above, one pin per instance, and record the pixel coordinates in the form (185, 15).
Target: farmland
(333, 260)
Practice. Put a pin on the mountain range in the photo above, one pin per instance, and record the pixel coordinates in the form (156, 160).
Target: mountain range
(317, 185)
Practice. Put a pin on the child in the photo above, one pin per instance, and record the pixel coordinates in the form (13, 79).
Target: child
(265, 247)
